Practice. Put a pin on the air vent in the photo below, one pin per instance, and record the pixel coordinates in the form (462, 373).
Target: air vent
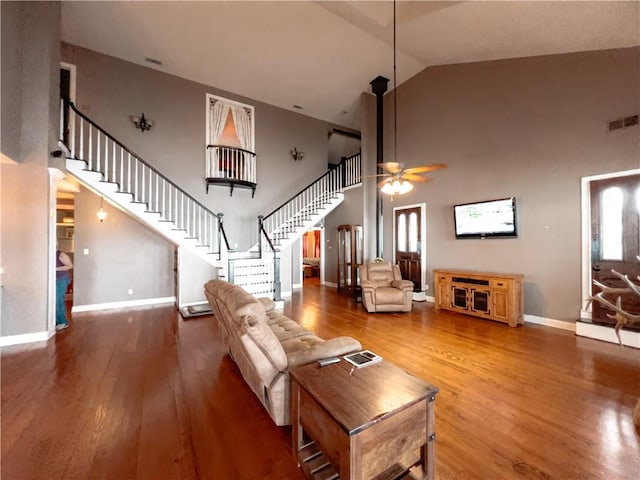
(153, 60)
(298, 107)
(625, 122)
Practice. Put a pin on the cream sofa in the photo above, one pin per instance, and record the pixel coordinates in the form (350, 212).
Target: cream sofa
(265, 344)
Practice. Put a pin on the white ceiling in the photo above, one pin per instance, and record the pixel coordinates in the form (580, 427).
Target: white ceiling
(322, 55)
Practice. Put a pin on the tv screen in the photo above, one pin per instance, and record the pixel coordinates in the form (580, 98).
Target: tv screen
(492, 218)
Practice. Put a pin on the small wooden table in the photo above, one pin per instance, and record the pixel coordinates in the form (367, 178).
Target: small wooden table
(374, 422)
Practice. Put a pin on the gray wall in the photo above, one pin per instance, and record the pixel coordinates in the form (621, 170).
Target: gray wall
(348, 212)
(529, 128)
(123, 255)
(110, 90)
(193, 274)
(30, 56)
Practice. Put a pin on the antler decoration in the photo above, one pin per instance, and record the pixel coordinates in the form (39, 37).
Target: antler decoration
(622, 317)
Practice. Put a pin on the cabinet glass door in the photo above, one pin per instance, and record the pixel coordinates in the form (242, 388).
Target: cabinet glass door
(480, 301)
(460, 297)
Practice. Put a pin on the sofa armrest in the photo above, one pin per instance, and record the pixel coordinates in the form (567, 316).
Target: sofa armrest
(402, 284)
(334, 347)
(268, 304)
(367, 284)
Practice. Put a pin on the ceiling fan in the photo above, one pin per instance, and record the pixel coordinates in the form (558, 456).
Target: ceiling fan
(396, 178)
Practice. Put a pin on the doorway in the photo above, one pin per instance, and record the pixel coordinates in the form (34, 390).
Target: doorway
(610, 238)
(615, 239)
(312, 254)
(409, 231)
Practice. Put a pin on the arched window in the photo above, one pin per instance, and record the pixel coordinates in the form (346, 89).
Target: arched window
(402, 233)
(413, 232)
(611, 205)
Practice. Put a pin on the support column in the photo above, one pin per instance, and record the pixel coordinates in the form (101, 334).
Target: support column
(379, 87)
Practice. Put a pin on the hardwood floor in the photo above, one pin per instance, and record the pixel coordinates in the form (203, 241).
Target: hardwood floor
(142, 394)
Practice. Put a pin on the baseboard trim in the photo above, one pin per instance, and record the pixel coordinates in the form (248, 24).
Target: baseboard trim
(126, 304)
(550, 322)
(607, 334)
(331, 284)
(25, 338)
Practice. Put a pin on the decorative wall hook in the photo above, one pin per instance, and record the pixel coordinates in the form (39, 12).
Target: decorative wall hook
(142, 123)
(296, 154)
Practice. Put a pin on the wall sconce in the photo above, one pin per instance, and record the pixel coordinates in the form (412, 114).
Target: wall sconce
(142, 123)
(296, 154)
(101, 213)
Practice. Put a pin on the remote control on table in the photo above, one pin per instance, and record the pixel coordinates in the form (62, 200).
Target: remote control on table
(328, 361)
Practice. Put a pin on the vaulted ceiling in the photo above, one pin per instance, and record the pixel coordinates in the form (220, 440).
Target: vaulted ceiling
(322, 55)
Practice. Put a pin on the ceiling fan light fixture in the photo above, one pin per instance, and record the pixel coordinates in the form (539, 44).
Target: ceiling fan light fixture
(396, 187)
(387, 188)
(405, 187)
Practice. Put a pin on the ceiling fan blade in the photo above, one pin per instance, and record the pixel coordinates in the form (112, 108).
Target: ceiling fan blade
(426, 168)
(376, 175)
(392, 167)
(414, 178)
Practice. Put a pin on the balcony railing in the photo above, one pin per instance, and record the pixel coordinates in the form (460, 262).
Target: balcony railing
(231, 166)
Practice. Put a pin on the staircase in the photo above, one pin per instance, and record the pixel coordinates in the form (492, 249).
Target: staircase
(258, 271)
(111, 170)
(285, 224)
(108, 168)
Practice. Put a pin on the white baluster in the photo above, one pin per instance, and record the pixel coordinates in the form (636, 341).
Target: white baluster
(72, 131)
(98, 151)
(106, 158)
(90, 147)
(82, 154)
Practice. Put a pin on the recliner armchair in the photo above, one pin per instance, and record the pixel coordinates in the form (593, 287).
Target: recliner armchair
(383, 289)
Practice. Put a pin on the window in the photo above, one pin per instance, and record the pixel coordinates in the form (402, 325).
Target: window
(230, 123)
(413, 232)
(611, 205)
(402, 233)
(230, 148)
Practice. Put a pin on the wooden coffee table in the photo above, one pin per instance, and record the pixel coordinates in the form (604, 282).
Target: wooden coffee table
(375, 422)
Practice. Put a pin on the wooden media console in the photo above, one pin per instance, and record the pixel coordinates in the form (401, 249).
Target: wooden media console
(493, 296)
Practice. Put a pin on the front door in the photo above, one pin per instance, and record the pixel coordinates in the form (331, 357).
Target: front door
(615, 239)
(408, 241)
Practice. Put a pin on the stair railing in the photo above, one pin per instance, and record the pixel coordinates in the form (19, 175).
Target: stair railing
(118, 164)
(283, 220)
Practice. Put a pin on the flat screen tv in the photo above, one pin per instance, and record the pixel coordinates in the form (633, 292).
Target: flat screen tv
(488, 219)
